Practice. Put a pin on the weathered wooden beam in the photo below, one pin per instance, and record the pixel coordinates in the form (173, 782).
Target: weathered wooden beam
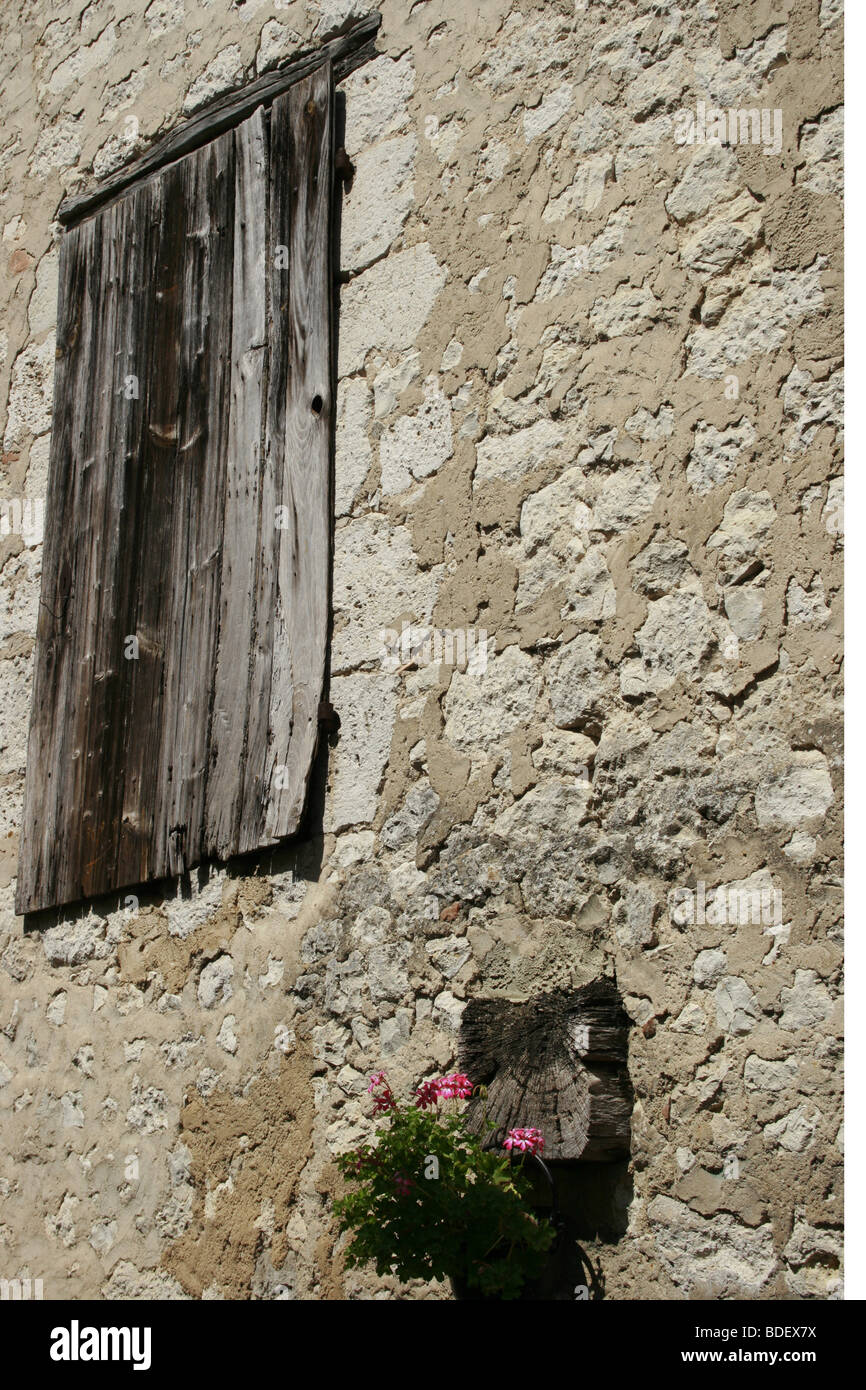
(345, 53)
(557, 1062)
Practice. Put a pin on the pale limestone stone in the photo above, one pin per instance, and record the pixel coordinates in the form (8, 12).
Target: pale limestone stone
(333, 16)
(737, 1010)
(548, 113)
(276, 42)
(716, 1252)
(692, 1018)
(226, 1037)
(757, 322)
(551, 805)
(223, 72)
(744, 530)
(163, 15)
(590, 590)
(709, 967)
(801, 848)
(367, 704)
(377, 100)
(42, 309)
(87, 59)
(806, 1004)
(744, 606)
(75, 940)
(406, 824)
(448, 1011)
(559, 507)
(812, 404)
(483, 707)
(565, 753)
(716, 453)
(634, 917)
(449, 954)
(813, 1254)
(585, 191)
(567, 264)
(624, 497)
(386, 972)
(376, 208)
(58, 146)
(807, 605)
(607, 247)
(390, 382)
(796, 1130)
(509, 457)
(718, 245)
(575, 680)
(660, 567)
(764, 1074)
(215, 982)
(800, 792)
(712, 177)
(627, 311)
(394, 1032)
(376, 582)
(148, 1109)
(673, 642)
(417, 445)
(651, 427)
(821, 144)
(738, 81)
(831, 12)
(452, 355)
(72, 1115)
(353, 451)
(388, 305)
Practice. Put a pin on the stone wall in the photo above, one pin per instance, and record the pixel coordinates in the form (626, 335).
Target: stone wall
(589, 427)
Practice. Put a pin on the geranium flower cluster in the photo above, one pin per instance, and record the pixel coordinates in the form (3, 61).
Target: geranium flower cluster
(529, 1141)
(457, 1086)
(384, 1100)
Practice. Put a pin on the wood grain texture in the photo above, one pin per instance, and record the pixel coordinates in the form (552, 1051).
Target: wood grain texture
(557, 1062)
(161, 515)
(344, 53)
(302, 214)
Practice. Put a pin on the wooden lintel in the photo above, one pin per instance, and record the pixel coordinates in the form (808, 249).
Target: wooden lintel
(345, 53)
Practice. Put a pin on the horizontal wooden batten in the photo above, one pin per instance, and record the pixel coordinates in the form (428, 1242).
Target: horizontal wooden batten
(345, 53)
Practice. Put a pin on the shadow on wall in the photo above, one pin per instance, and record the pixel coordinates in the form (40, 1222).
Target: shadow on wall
(299, 858)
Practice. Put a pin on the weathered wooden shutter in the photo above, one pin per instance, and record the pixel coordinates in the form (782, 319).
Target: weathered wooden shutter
(183, 618)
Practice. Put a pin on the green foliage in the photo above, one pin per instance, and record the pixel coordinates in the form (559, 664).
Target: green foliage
(472, 1222)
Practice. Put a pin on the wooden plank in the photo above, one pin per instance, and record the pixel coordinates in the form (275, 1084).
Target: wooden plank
(41, 861)
(243, 495)
(301, 609)
(199, 448)
(344, 53)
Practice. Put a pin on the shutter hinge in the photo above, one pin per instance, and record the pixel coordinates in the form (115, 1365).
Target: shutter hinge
(343, 166)
(329, 719)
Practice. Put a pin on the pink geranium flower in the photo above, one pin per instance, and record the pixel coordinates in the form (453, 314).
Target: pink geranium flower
(457, 1086)
(529, 1140)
